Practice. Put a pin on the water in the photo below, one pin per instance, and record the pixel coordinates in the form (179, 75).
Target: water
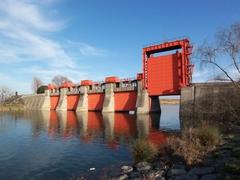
(65, 145)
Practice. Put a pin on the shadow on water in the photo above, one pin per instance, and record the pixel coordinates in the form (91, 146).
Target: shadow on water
(50, 144)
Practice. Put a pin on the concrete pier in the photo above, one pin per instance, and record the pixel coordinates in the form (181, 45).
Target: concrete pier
(83, 100)
(62, 104)
(108, 105)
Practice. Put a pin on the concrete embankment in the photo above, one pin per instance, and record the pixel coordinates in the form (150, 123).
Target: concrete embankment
(214, 102)
(37, 101)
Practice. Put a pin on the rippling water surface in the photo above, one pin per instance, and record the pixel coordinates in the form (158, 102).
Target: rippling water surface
(65, 145)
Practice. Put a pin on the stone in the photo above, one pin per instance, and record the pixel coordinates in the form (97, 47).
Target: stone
(143, 166)
(209, 177)
(179, 166)
(176, 172)
(126, 169)
(202, 170)
(236, 152)
(156, 174)
(236, 149)
(123, 177)
(192, 177)
(135, 175)
(159, 165)
(227, 147)
(185, 177)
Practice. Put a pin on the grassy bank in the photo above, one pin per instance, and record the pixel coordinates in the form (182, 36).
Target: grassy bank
(11, 107)
(192, 146)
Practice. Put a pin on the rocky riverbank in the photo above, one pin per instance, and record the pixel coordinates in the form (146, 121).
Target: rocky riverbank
(222, 163)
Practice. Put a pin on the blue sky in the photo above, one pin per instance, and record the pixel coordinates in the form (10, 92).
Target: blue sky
(97, 38)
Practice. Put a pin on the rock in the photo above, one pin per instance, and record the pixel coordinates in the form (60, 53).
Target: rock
(236, 152)
(135, 175)
(192, 177)
(179, 166)
(227, 147)
(123, 177)
(159, 165)
(126, 169)
(236, 149)
(176, 172)
(202, 170)
(185, 177)
(143, 166)
(209, 177)
(155, 174)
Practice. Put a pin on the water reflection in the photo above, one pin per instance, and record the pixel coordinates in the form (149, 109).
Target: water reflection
(61, 145)
(89, 126)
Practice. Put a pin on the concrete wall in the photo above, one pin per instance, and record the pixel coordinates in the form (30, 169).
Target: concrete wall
(33, 102)
(216, 102)
(37, 101)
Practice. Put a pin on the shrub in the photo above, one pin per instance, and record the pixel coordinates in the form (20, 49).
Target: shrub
(208, 136)
(144, 151)
(41, 89)
(195, 144)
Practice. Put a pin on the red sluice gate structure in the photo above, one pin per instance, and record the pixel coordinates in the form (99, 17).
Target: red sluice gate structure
(166, 69)
(167, 74)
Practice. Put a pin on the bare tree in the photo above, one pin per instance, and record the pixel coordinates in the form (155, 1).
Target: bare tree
(36, 83)
(226, 44)
(5, 93)
(59, 80)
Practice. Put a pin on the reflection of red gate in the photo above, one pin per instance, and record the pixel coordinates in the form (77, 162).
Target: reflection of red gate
(167, 74)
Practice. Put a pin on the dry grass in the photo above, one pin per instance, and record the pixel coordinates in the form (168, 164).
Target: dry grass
(11, 108)
(144, 151)
(170, 101)
(195, 144)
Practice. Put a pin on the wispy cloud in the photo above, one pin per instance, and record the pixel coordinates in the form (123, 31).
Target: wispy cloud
(26, 27)
(86, 49)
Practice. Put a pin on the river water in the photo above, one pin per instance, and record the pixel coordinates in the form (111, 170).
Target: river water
(65, 145)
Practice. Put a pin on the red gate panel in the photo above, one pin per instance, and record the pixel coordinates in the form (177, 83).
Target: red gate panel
(54, 101)
(164, 73)
(167, 74)
(125, 101)
(72, 101)
(95, 101)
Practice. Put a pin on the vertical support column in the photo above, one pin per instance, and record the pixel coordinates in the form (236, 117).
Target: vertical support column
(142, 105)
(108, 104)
(62, 104)
(83, 100)
(46, 102)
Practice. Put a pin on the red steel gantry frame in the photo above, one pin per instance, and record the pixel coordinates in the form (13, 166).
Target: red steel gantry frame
(167, 74)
